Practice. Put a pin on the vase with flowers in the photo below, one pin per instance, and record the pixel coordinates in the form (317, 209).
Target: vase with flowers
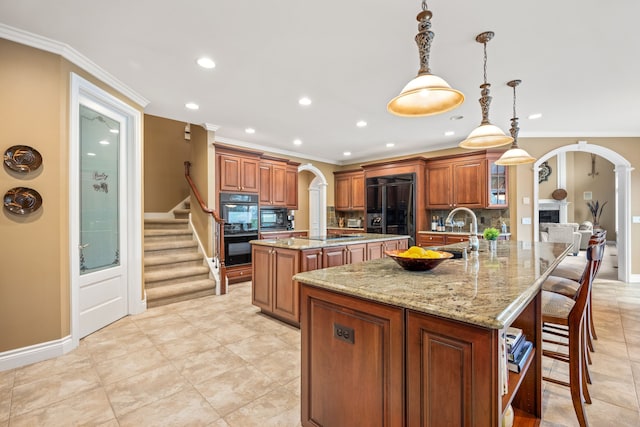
(596, 211)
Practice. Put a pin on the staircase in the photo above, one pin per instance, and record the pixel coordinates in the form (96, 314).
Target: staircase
(174, 268)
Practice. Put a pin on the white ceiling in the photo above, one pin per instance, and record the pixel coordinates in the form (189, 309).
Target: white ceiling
(579, 61)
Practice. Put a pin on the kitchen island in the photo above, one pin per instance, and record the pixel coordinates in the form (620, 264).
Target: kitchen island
(382, 346)
(276, 261)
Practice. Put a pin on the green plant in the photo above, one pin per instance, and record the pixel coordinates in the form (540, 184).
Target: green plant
(596, 210)
(491, 233)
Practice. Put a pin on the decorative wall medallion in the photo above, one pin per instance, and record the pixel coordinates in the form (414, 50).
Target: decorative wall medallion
(544, 172)
(22, 158)
(22, 200)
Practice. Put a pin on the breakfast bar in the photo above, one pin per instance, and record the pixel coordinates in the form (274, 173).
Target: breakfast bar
(382, 346)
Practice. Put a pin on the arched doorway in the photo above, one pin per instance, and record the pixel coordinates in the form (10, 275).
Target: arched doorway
(622, 198)
(317, 201)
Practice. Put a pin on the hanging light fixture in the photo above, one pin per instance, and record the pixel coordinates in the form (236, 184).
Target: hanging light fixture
(514, 155)
(486, 135)
(426, 94)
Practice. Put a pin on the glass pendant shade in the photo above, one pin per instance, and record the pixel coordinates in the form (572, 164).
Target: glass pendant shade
(486, 136)
(425, 95)
(515, 156)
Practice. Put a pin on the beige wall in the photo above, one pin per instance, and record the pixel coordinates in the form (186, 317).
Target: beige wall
(165, 152)
(537, 147)
(199, 174)
(34, 284)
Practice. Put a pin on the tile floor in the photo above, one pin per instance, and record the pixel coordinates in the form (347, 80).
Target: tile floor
(175, 365)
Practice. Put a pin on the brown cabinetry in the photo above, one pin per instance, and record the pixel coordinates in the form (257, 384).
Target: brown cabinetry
(497, 183)
(282, 234)
(349, 190)
(457, 182)
(291, 187)
(450, 370)
(352, 361)
(238, 173)
(334, 256)
(273, 181)
(436, 239)
(356, 253)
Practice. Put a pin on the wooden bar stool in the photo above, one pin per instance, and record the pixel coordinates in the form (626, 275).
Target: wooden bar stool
(569, 313)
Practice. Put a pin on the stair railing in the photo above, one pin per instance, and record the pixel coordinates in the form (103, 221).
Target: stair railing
(219, 270)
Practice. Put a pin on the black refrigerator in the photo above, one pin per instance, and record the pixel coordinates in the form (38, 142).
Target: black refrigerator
(391, 205)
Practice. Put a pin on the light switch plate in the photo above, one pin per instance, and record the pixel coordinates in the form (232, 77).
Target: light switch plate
(526, 220)
(525, 201)
(635, 219)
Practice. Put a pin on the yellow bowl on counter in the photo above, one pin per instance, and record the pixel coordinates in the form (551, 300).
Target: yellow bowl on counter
(413, 263)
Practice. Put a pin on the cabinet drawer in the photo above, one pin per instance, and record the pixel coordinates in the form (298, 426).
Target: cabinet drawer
(431, 239)
(457, 239)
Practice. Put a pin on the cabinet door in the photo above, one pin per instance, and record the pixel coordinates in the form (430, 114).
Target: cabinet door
(352, 361)
(332, 257)
(469, 184)
(455, 238)
(285, 289)
(278, 185)
(265, 184)
(291, 195)
(311, 260)
(230, 173)
(374, 250)
(357, 191)
(393, 245)
(261, 257)
(498, 185)
(356, 253)
(439, 186)
(342, 192)
(249, 175)
(453, 366)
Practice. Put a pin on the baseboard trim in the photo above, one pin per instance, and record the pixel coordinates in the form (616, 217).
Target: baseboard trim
(35, 353)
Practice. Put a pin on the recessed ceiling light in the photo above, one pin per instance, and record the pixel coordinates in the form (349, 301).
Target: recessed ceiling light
(449, 133)
(91, 154)
(205, 62)
(390, 144)
(114, 131)
(250, 130)
(361, 123)
(104, 142)
(347, 153)
(535, 116)
(304, 101)
(192, 105)
(456, 117)
(297, 142)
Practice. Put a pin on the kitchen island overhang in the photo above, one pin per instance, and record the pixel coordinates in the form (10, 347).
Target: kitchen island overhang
(446, 364)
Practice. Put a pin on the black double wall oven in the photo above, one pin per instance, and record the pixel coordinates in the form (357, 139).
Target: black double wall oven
(240, 213)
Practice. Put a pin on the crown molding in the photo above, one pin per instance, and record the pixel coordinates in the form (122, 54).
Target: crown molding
(71, 55)
(239, 143)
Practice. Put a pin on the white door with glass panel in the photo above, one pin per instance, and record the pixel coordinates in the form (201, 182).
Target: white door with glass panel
(102, 226)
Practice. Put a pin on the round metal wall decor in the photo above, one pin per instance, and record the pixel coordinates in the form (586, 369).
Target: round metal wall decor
(22, 158)
(544, 172)
(22, 200)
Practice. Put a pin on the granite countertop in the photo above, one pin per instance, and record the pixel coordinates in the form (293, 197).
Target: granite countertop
(314, 243)
(486, 289)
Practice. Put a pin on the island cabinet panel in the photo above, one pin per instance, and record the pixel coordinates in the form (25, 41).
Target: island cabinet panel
(356, 253)
(334, 256)
(262, 283)
(310, 259)
(360, 344)
(393, 245)
(286, 292)
(451, 373)
(375, 250)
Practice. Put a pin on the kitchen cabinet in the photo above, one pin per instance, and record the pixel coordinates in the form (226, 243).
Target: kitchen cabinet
(334, 256)
(291, 187)
(437, 238)
(396, 245)
(238, 173)
(356, 253)
(375, 250)
(497, 183)
(349, 190)
(238, 273)
(454, 182)
(341, 231)
(273, 181)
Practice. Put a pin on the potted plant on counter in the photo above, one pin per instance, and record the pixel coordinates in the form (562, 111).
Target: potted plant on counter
(491, 234)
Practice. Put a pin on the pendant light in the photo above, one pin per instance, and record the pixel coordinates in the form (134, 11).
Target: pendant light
(486, 135)
(514, 155)
(426, 94)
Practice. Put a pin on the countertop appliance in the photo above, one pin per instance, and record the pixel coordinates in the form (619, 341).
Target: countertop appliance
(354, 223)
(391, 205)
(240, 212)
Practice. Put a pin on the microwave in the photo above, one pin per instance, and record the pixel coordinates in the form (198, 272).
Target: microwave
(273, 219)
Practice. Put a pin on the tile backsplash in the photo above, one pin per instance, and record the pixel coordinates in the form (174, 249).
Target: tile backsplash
(486, 217)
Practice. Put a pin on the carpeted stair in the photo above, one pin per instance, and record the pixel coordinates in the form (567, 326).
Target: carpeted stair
(174, 269)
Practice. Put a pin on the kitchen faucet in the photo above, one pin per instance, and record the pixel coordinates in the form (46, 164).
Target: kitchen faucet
(473, 237)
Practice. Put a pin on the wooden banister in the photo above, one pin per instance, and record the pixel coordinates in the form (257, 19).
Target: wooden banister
(218, 229)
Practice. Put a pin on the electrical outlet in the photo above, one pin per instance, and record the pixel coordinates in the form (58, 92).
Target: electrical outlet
(525, 201)
(526, 221)
(635, 219)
